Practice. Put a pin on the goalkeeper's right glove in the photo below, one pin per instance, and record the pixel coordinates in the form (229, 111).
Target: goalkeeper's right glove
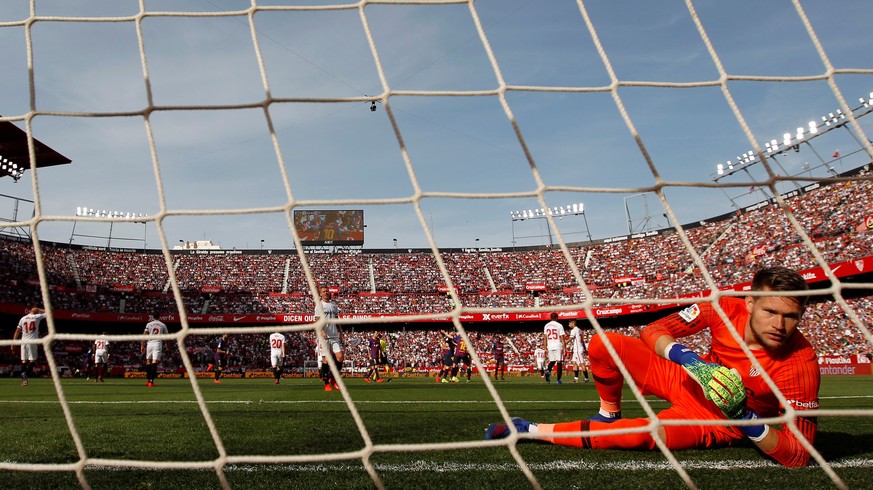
(726, 390)
(699, 369)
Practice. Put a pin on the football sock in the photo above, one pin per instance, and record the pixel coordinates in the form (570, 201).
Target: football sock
(574, 441)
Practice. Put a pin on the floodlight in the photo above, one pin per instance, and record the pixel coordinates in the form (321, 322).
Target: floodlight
(799, 133)
(813, 127)
(786, 139)
(720, 169)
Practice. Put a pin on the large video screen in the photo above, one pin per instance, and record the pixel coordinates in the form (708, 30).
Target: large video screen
(335, 227)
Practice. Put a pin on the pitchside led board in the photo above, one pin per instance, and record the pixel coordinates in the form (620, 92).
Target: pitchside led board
(330, 227)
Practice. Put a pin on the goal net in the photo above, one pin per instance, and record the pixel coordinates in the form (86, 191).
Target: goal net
(440, 119)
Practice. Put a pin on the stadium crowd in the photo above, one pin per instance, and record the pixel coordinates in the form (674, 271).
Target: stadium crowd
(657, 266)
(825, 324)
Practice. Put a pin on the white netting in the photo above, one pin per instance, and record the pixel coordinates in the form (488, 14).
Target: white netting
(257, 12)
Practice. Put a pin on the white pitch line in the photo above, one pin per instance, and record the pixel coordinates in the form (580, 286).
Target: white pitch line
(420, 466)
(575, 465)
(357, 402)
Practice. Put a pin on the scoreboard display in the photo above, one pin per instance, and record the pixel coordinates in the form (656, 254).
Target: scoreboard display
(330, 227)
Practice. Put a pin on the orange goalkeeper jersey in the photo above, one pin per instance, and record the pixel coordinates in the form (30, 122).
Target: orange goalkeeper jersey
(794, 369)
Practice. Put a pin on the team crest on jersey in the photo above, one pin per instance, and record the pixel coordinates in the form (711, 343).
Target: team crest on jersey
(753, 371)
(690, 313)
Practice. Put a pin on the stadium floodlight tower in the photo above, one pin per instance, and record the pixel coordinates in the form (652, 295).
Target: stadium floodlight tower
(123, 216)
(559, 212)
(803, 135)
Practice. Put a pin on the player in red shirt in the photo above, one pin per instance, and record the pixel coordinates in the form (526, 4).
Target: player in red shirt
(707, 387)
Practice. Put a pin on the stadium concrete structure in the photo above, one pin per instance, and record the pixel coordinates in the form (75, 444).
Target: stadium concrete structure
(118, 287)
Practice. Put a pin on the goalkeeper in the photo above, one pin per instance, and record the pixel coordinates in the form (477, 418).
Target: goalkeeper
(723, 384)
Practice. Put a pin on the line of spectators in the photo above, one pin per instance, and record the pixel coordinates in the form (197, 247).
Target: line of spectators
(659, 266)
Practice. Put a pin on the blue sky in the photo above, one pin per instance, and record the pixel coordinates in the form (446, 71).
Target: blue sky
(342, 155)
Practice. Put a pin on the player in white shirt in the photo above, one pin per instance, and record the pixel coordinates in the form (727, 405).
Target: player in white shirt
(555, 340)
(152, 348)
(580, 352)
(277, 354)
(540, 357)
(101, 357)
(28, 329)
(319, 358)
(333, 337)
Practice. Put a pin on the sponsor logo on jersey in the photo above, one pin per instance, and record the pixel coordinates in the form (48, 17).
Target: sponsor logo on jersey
(810, 405)
(690, 313)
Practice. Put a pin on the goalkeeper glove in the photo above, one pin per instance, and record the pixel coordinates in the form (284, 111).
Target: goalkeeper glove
(726, 390)
(699, 369)
(721, 385)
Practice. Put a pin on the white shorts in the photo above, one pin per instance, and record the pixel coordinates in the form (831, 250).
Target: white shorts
(336, 345)
(276, 360)
(579, 358)
(153, 350)
(556, 355)
(101, 356)
(540, 363)
(29, 352)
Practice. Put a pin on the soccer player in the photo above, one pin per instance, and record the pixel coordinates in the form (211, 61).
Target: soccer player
(580, 352)
(88, 362)
(540, 358)
(220, 357)
(333, 337)
(101, 357)
(383, 357)
(555, 342)
(499, 357)
(447, 355)
(461, 358)
(28, 329)
(277, 354)
(152, 348)
(723, 384)
(319, 358)
(374, 351)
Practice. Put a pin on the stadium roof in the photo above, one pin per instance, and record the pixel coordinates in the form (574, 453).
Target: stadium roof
(15, 156)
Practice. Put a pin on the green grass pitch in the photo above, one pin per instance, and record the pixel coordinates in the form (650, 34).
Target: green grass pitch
(122, 420)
